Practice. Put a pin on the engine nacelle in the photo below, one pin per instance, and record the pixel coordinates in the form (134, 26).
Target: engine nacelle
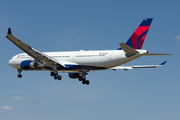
(28, 64)
(74, 75)
(33, 65)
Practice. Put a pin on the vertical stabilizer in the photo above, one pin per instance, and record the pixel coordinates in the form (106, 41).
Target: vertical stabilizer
(138, 37)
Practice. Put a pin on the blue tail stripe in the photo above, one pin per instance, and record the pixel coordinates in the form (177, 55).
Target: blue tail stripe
(139, 39)
(146, 22)
(129, 42)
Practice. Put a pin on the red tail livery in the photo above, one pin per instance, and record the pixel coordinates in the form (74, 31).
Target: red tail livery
(138, 37)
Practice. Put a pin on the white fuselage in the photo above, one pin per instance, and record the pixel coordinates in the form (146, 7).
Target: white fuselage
(92, 60)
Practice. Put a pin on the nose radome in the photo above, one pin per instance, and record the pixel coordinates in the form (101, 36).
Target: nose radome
(14, 63)
(10, 62)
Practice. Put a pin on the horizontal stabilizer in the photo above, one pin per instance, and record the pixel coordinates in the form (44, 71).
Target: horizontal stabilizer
(127, 49)
(139, 66)
(152, 54)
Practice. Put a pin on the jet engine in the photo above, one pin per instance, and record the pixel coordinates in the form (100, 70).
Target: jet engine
(28, 64)
(74, 75)
(33, 65)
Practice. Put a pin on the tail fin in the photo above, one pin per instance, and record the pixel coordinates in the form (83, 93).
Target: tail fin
(138, 37)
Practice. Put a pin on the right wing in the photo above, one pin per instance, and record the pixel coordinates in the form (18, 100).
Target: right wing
(39, 56)
(140, 66)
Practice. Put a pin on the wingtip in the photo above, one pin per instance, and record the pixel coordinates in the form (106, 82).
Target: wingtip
(163, 63)
(9, 31)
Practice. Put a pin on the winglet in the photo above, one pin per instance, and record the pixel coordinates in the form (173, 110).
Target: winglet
(163, 63)
(9, 31)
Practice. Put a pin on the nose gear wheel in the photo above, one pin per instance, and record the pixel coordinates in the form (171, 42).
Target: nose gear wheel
(19, 75)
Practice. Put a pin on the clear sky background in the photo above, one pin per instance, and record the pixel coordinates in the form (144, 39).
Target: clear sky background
(68, 25)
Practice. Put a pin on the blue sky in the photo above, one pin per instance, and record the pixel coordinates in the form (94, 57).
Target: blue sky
(54, 25)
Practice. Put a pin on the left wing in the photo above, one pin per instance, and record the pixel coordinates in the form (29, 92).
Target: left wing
(39, 56)
(140, 66)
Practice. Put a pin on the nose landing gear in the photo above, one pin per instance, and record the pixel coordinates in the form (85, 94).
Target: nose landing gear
(19, 75)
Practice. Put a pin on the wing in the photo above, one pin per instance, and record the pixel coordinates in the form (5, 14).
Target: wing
(39, 56)
(140, 66)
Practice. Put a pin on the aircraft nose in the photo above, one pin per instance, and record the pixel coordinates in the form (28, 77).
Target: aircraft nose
(14, 63)
(11, 62)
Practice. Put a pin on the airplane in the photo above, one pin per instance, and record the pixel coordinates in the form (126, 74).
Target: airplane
(78, 63)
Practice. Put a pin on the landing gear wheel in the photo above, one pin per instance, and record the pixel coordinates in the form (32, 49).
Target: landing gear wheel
(87, 82)
(80, 78)
(59, 77)
(19, 76)
(55, 77)
(52, 74)
(83, 81)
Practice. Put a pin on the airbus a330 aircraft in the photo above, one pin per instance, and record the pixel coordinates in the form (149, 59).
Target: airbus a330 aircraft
(78, 63)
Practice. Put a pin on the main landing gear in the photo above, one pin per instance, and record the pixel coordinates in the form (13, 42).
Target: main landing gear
(84, 81)
(56, 76)
(55, 73)
(83, 78)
